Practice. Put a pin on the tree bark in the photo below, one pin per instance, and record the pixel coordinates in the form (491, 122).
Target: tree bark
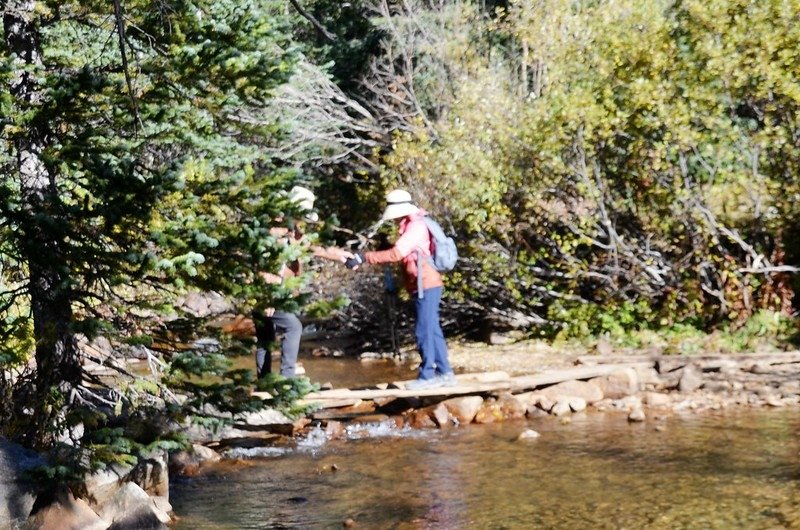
(58, 368)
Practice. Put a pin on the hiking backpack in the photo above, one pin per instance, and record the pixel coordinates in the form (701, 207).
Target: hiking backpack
(445, 253)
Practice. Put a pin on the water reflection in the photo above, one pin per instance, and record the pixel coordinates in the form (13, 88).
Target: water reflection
(732, 471)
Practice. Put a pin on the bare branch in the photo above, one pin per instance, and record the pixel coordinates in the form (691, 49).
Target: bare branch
(314, 22)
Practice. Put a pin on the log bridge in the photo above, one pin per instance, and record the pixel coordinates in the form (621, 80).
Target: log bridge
(485, 383)
(492, 383)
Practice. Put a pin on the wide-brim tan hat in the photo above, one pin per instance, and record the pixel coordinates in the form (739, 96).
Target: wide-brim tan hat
(395, 211)
(400, 205)
(304, 199)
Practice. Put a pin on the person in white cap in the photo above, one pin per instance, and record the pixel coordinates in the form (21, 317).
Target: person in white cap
(270, 322)
(414, 249)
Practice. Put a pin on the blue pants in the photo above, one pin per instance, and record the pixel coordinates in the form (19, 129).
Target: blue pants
(430, 339)
(267, 329)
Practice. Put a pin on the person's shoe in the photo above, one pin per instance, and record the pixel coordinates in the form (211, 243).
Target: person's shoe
(423, 384)
(448, 379)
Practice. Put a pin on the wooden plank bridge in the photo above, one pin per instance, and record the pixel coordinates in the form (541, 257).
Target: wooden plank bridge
(466, 384)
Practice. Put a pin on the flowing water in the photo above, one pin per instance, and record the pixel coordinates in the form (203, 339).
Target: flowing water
(728, 470)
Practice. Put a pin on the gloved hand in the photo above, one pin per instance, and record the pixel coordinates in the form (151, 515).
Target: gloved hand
(354, 262)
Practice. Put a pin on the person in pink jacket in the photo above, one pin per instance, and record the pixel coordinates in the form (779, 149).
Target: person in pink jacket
(414, 249)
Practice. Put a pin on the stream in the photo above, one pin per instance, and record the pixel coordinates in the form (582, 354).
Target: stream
(735, 469)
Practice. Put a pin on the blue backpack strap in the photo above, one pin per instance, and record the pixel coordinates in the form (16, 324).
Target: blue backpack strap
(420, 261)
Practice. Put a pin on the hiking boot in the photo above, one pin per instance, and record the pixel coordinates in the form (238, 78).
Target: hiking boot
(448, 379)
(424, 384)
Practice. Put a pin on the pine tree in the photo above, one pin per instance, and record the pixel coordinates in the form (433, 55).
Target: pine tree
(128, 157)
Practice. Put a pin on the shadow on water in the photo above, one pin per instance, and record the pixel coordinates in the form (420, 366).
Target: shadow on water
(734, 470)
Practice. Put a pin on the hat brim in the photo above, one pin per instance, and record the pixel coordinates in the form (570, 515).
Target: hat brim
(396, 211)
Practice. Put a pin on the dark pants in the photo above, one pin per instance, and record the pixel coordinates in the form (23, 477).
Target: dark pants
(267, 329)
(430, 339)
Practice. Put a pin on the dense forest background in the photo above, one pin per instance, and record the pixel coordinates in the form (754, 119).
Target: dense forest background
(608, 167)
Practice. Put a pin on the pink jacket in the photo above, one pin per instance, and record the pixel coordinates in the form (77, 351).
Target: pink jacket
(414, 236)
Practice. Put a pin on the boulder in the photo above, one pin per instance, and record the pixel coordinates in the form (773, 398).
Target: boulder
(62, 511)
(440, 415)
(717, 387)
(131, 508)
(561, 407)
(420, 419)
(628, 403)
(17, 495)
(577, 404)
(649, 376)
(334, 430)
(691, 379)
(511, 407)
(489, 412)
(464, 409)
(151, 474)
(618, 384)
(535, 412)
(205, 454)
(102, 485)
(657, 399)
(204, 304)
(589, 391)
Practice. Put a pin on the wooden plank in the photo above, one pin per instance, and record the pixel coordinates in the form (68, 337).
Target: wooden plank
(479, 377)
(530, 382)
(340, 397)
(344, 393)
(328, 403)
(773, 358)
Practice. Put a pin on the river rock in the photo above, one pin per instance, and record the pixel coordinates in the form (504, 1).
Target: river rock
(489, 412)
(440, 415)
(636, 415)
(691, 379)
(628, 403)
(511, 407)
(535, 412)
(577, 404)
(789, 388)
(657, 399)
(717, 387)
(464, 409)
(17, 495)
(774, 401)
(334, 430)
(420, 419)
(102, 485)
(561, 407)
(133, 509)
(205, 454)
(648, 377)
(63, 511)
(528, 434)
(618, 384)
(589, 391)
(203, 305)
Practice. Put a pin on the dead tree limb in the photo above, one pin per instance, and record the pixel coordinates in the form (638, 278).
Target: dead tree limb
(314, 22)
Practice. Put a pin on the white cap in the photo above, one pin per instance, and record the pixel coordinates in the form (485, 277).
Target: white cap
(400, 205)
(304, 198)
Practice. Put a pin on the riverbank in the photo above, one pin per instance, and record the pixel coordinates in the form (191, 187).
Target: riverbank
(646, 388)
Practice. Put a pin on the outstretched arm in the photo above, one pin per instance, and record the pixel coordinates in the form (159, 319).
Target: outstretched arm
(331, 253)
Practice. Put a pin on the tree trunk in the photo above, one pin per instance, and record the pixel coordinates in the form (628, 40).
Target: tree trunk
(58, 368)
